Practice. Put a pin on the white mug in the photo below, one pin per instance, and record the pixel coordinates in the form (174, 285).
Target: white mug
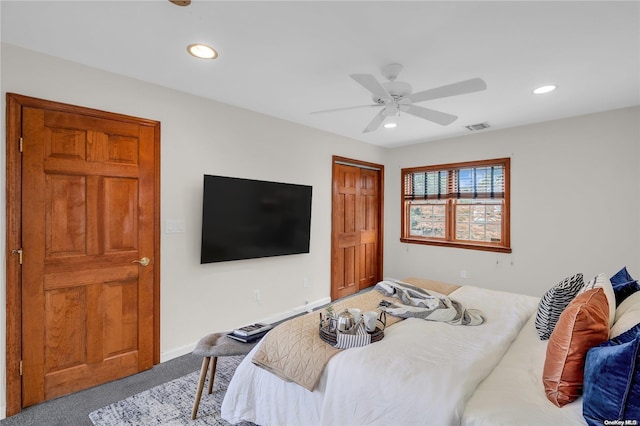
(370, 318)
(356, 314)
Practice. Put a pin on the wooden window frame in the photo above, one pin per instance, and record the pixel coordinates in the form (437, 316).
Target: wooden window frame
(450, 239)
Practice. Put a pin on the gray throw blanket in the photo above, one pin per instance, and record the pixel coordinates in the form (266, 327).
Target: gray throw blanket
(420, 303)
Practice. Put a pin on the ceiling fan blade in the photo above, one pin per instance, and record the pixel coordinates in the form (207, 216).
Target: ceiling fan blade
(370, 83)
(459, 88)
(428, 114)
(345, 108)
(375, 123)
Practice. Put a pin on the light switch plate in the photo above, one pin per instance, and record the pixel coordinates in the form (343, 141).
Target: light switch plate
(174, 226)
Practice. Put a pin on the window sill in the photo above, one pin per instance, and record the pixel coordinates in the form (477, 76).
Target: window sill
(468, 246)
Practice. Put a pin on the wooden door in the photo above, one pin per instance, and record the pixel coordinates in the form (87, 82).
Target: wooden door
(89, 250)
(356, 253)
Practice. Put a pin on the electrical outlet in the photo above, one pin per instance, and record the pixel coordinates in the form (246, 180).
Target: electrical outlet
(463, 274)
(305, 282)
(257, 295)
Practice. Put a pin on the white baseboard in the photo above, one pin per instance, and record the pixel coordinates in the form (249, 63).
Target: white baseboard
(175, 353)
(297, 310)
(183, 350)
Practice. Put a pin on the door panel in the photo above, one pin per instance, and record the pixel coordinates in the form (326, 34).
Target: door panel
(368, 227)
(64, 348)
(119, 198)
(88, 212)
(65, 213)
(345, 231)
(120, 317)
(356, 231)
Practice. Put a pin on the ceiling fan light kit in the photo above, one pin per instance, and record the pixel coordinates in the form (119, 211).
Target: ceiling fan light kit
(395, 96)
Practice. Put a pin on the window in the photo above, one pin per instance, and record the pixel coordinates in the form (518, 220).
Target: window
(459, 205)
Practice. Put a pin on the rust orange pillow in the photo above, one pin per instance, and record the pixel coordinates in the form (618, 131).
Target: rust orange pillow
(582, 325)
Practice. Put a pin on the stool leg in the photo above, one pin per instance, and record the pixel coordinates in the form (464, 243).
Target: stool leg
(203, 376)
(213, 373)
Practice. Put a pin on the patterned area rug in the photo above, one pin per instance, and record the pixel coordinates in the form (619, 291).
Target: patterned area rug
(171, 403)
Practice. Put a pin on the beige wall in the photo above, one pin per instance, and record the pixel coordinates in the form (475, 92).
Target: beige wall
(590, 225)
(575, 203)
(201, 136)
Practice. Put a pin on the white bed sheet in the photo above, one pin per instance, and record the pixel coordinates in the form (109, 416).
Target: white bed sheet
(514, 393)
(422, 372)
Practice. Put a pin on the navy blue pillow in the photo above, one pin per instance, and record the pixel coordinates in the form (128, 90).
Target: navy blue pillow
(612, 380)
(623, 285)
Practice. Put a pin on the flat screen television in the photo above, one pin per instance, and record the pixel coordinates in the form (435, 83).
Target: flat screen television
(247, 219)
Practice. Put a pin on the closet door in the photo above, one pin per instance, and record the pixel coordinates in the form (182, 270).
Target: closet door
(356, 253)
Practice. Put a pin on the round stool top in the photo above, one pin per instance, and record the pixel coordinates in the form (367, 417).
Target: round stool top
(218, 344)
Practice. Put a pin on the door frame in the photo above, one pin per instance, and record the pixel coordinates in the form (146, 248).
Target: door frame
(363, 164)
(14, 105)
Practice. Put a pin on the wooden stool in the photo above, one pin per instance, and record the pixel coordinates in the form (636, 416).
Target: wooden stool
(213, 346)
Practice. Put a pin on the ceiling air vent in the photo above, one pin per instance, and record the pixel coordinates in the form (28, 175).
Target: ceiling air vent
(479, 126)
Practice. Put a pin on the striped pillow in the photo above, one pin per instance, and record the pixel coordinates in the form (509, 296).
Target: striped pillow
(601, 281)
(553, 303)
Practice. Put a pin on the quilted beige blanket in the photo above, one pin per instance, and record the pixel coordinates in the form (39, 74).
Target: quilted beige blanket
(294, 350)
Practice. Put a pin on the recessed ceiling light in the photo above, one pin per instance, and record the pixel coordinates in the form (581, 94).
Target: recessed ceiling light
(545, 89)
(202, 51)
(390, 125)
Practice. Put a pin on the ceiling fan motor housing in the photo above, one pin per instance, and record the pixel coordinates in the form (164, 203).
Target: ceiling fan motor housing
(397, 89)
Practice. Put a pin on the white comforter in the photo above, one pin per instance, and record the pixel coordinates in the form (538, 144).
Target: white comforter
(422, 372)
(514, 391)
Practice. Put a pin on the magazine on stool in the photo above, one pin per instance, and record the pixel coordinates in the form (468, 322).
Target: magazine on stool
(250, 333)
(250, 330)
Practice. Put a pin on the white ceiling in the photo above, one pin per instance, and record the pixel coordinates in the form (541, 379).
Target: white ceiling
(289, 58)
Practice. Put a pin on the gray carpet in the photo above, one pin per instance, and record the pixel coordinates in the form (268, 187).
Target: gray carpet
(171, 403)
(74, 409)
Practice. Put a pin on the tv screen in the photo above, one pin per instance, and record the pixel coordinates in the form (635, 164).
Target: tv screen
(246, 219)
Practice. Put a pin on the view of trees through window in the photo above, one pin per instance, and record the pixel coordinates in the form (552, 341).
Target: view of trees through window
(427, 220)
(475, 220)
(480, 221)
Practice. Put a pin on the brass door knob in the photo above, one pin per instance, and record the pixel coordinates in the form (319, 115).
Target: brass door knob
(144, 261)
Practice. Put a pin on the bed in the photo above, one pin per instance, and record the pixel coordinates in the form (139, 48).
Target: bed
(514, 390)
(422, 372)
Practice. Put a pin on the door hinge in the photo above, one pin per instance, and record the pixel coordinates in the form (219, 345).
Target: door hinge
(21, 367)
(19, 253)
(20, 143)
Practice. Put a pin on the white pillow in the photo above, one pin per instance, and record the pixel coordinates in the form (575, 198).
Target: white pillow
(601, 281)
(630, 303)
(630, 319)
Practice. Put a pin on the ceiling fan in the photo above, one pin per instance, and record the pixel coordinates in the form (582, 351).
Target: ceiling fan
(395, 96)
